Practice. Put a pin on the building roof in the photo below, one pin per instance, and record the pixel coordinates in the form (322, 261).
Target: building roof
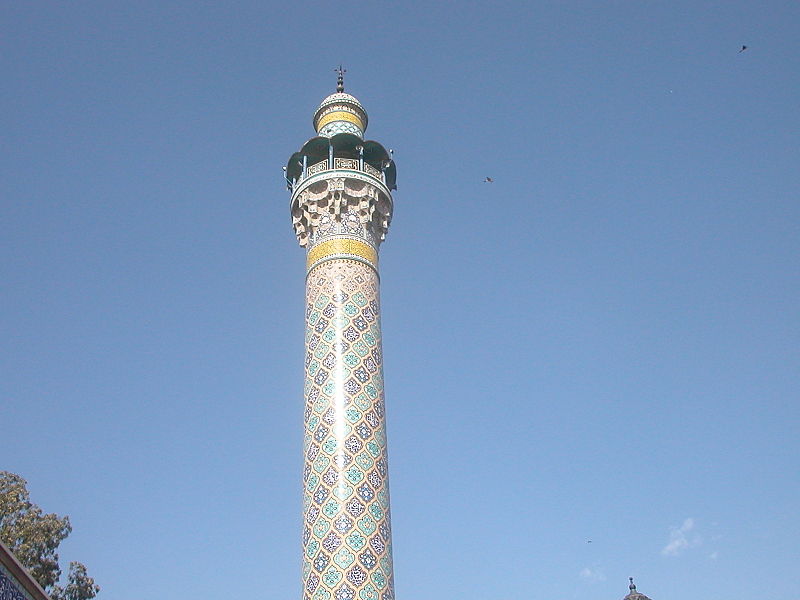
(20, 577)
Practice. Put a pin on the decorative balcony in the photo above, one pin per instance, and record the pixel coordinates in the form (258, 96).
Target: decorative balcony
(352, 164)
(346, 152)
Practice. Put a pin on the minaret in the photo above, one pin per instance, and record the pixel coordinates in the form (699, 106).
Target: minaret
(341, 205)
(633, 594)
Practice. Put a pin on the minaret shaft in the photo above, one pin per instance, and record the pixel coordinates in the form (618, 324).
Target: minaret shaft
(347, 530)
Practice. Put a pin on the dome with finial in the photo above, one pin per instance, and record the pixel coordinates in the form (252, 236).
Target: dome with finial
(340, 113)
(633, 594)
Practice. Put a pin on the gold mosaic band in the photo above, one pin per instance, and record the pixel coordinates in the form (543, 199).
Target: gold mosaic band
(339, 115)
(342, 248)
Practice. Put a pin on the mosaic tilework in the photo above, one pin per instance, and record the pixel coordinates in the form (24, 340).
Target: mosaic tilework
(9, 590)
(336, 127)
(348, 223)
(346, 201)
(346, 523)
(340, 115)
(341, 247)
(339, 103)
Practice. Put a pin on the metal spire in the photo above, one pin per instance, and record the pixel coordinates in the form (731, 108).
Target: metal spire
(632, 586)
(340, 79)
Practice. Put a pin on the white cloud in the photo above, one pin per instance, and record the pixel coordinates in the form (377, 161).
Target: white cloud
(592, 574)
(681, 538)
(714, 555)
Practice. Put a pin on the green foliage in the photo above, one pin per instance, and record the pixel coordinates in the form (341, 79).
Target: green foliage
(79, 585)
(34, 538)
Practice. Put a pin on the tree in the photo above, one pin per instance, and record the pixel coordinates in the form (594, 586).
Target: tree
(34, 538)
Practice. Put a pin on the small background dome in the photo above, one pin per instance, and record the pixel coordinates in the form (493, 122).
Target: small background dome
(633, 594)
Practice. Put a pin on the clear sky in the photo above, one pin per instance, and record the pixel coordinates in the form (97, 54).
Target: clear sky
(602, 345)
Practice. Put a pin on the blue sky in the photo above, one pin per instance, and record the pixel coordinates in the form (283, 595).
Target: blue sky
(600, 345)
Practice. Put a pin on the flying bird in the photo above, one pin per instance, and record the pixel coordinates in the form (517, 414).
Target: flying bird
(743, 49)
(488, 180)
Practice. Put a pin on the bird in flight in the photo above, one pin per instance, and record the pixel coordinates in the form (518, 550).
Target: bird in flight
(488, 180)
(743, 49)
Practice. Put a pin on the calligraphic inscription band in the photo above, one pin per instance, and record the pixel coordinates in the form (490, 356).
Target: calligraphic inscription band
(342, 248)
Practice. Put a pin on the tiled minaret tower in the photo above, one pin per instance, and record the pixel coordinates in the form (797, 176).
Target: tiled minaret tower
(341, 206)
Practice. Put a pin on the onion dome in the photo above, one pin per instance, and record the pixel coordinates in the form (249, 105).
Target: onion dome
(340, 113)
(633, 594)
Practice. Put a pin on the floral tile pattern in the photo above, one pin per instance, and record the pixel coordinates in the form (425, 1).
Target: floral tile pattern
(10, 589)
(346, 528)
